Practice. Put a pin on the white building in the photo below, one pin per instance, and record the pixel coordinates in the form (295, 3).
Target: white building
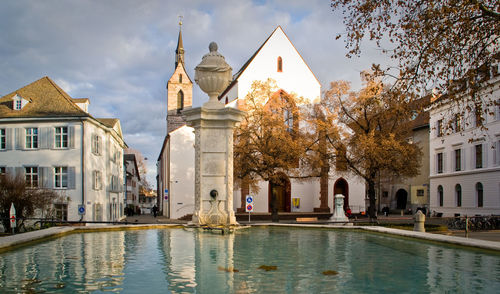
(465, 157)
(133, 179)
(50, 139)
(277, 59)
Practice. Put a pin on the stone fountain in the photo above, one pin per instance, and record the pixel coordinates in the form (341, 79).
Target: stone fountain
(213, 125)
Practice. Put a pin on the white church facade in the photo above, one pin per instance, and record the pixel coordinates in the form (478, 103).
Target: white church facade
(278, 59)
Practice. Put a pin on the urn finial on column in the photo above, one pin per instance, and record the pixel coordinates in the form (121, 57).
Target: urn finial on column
(213, 75)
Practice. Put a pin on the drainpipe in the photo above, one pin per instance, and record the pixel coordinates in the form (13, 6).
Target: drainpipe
(83, 165)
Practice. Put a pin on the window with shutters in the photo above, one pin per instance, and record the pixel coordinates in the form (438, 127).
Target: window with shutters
(97, 176)
(31, 176)
(96, 145)
(280, 64)
(31, 141)
(60, 177)
(61, 137)
(3, 139)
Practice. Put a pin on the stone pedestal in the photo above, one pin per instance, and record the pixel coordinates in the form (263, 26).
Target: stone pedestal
(213, 164)
(338, 212)
(419, 225)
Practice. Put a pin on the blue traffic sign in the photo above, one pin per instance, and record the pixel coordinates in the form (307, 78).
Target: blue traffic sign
(81, 209)
(249, 199)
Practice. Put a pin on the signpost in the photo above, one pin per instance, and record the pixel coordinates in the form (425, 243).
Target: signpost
(81, 209)
(12, 217)
(249, 206)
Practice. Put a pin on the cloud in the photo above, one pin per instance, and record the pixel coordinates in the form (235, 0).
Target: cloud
(120, 53)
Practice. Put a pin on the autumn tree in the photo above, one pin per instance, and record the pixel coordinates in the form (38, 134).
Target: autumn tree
(27, 200)
(268, 141)
(377, 125)
(321, 142)
(446, 45)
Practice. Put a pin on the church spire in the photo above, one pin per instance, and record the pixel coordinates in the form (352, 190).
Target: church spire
(179, 52)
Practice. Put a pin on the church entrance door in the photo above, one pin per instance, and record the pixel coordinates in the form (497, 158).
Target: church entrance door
(279, 192)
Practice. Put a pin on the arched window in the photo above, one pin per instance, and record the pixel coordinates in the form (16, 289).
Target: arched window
(458, 194)
(180, 78)
(180, 101)
(440, 195)
(479, 194)
(280, 64)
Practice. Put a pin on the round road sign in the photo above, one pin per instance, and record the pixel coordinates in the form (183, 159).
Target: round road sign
(249, 208)
(249, 199)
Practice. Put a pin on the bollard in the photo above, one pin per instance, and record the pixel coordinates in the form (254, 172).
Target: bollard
(419, 222)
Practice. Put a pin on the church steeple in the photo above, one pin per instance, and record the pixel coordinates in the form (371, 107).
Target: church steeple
(179, 89)
(179, 52)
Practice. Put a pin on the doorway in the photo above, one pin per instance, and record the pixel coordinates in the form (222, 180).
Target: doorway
(342, 187)
(281, 192)
(401, 199)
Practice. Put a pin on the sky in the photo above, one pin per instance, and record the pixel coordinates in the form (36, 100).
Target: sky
(121, 53)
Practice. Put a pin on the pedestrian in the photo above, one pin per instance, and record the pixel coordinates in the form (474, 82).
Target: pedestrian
(155, 210)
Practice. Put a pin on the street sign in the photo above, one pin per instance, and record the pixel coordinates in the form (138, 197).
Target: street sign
(249, 205)
(81, 209)
(166, 191)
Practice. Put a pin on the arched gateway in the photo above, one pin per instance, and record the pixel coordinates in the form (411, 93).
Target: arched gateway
(342, 187)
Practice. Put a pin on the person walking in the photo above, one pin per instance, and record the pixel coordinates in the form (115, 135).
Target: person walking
(155, 210)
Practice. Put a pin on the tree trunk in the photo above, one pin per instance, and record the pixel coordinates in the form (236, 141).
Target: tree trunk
(274, 209)
(371, 197)
(323, 181)
(245, 190)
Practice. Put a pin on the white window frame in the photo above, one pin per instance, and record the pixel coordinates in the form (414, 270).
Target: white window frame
(18, 104)
(61, 211)
(97, 177)
(3, 139)
(31, 175)
(61, 137)
(61, 177)
(31, 136)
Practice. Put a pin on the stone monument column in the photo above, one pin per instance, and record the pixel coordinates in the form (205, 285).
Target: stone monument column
(214, 125)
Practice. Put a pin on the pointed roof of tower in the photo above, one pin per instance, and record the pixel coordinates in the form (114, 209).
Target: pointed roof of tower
(179, 51)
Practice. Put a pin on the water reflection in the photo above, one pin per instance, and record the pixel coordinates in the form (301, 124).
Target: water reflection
(250, 261)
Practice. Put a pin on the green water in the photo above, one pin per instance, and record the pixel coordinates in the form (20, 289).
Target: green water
(180, 261)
